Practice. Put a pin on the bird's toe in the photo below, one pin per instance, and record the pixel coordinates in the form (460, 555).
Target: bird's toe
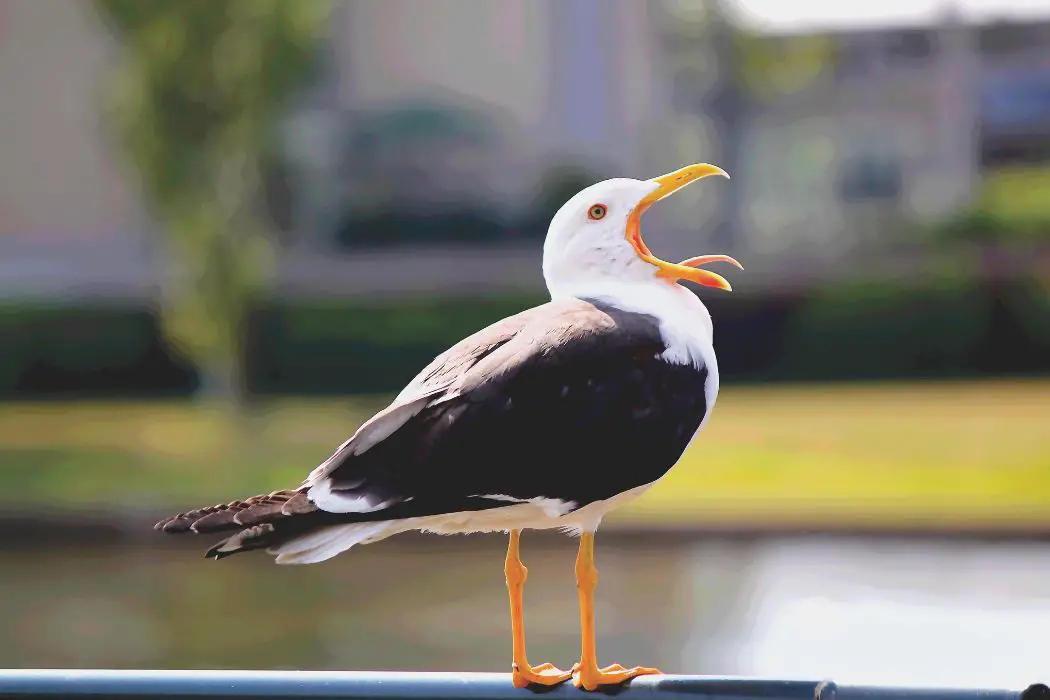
(614, 674)
(542, 674)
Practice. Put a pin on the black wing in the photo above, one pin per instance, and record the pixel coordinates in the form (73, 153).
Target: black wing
(570, 400)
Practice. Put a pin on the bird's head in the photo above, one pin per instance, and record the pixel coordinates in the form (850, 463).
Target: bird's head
(596, 237)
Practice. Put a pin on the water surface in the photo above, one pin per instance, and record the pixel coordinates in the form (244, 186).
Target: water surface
(869, 610)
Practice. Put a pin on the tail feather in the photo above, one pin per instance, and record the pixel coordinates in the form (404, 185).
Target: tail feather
(286, 524)
(239, 514)
(255, 537)
(265, 521)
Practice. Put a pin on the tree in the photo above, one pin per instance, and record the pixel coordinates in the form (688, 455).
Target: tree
(195, 98)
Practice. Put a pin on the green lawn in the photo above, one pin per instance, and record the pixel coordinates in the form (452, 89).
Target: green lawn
(858, 454)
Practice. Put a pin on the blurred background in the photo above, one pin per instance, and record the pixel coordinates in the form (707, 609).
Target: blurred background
(232, 229)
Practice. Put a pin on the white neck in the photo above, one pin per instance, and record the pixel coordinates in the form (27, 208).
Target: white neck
(685, 322)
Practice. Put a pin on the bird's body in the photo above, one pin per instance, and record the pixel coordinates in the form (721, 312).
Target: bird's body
(527, 424)
(547, 419)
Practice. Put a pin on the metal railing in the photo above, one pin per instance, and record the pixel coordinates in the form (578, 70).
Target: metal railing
(69, 683)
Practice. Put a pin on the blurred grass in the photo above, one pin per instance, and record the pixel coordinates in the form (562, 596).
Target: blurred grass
(866, 454)
(1016, 194)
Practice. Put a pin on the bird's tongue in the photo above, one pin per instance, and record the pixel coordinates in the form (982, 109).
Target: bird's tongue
(705, 259)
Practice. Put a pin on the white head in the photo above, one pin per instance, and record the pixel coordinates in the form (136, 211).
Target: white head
(595, 238)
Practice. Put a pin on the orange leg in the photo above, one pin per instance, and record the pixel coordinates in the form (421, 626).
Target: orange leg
(586, 673)
(521, 672)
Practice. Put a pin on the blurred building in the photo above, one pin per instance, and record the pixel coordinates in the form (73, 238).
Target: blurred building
(881, 132)
(482, 115)
(67, 216)
(408, 98)
(905, 125)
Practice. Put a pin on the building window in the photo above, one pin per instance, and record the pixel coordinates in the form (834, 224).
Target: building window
(1015, 117)
(869, 176)
(1006, 39)
(854, 58)
(909, 47)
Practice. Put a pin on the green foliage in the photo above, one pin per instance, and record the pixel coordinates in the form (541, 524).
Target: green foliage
(940, 326)
(771, 67)
(982, 227)
(392, 225)
(195, 99)
(1016, 196)
(57, 350)
(875, 329)
(325, 347)
(1010, 209)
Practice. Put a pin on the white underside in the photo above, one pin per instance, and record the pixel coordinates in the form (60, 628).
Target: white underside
(544, 514)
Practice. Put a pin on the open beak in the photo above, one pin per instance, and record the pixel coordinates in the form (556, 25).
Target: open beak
(687, 269)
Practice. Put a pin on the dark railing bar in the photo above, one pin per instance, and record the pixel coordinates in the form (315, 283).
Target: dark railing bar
(97, 684)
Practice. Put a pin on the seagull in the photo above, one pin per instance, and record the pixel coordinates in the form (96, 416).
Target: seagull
(548, 419)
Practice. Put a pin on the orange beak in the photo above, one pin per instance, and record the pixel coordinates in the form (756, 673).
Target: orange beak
(687, 269)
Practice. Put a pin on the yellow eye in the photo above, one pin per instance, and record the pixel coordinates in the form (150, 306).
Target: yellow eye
(596, 212)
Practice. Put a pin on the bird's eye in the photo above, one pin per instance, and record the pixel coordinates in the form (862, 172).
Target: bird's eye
(596, 212)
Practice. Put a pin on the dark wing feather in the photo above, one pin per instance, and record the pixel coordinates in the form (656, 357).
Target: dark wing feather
(464, 375)
(503, 423)
(438, 379)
